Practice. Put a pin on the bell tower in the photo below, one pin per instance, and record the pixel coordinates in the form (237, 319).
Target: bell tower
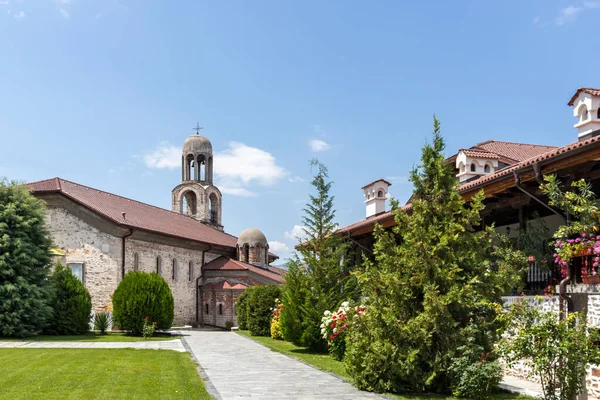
(196, 195)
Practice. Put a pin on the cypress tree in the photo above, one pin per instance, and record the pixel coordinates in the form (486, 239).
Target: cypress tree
(24, 262)
(319, 277)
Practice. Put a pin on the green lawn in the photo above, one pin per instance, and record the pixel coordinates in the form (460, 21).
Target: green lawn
(88, 337)
(98, 374)
(327, 363)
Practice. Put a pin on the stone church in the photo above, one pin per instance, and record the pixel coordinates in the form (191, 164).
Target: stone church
(101, 236)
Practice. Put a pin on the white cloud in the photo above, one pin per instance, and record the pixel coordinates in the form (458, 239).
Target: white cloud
(591, 4)
(4, 2)
(235, 169)
(295, 179)
(247, 164)
(568, 14)
(237, 191)
(164, 156)
(317, 145)
(64, 13)
(278, 247)
(536, 20)
(296, 233)
(20, 15)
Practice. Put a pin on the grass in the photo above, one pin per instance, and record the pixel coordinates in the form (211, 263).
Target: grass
(98, 374)
(89, 337)
(327, 363)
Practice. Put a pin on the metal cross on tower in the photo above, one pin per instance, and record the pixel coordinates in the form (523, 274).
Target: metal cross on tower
(197, 128)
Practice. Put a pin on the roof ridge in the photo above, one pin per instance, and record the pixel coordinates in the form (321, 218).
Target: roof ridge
(508, 142)
(137, 201)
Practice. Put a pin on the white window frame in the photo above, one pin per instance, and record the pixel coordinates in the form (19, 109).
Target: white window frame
(82, 264)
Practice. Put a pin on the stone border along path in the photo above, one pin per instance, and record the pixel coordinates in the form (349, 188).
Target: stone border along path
(174, 344)
(239, 368)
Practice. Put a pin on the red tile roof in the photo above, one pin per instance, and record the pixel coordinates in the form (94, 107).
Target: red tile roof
(476, 184)
(137, 215)
(512, 151)
(378, 180)
(224, 263)
(224, 285)
(479, 154)
(592, 91)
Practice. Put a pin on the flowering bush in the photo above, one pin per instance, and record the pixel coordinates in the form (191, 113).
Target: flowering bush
(149, 328)
(334, 327)
(585, 244)
(276, 332)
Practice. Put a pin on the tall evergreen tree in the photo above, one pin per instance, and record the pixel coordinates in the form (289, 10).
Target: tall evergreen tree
(433, 292)
(319, 278)
(24, 262)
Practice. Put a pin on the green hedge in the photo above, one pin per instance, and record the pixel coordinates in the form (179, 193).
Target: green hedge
(240, 311)
(141, 295)
(71, 304)
(259, 305)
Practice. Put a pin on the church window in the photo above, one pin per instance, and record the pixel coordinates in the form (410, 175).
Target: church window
(584, 114)
(174, 271)
(473, 167)
(158, 265)
(462, 167)
(77, 270)
(380, 193)
(136, 262)
(214, 208)
(190, 271)
(261, 255)
(598, 115)
(486, 168)
(220, 309)
(246, 253)
(206, 308)
(201, 167)
(189, 203)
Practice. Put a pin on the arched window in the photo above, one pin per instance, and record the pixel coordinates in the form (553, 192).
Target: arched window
(189, 172)
(598, 116)
(189, 203)
(462, 167)
(486, 169)
(473, 167)
(380, 193)
(246, 253)
(213, 208)
(190, 271)
(174, 271)
(209, 170)
(220, 308)
(136, 262)
(158, 265)
(201, 167)
(206, 307)
(584, 115)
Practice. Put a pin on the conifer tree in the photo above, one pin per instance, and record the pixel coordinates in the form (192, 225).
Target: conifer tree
(431, 294)
(319, 278)
(24, 262)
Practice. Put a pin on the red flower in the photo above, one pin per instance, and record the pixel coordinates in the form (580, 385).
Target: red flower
(147, 318)
(333, 324)
(154, 323)
(331, 337)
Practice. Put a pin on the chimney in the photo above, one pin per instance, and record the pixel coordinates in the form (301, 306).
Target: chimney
(376, 196)
(586, 108)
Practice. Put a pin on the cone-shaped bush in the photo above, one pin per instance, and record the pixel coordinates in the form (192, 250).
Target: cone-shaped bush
(259, 308)
(141, 295)
(71, 304)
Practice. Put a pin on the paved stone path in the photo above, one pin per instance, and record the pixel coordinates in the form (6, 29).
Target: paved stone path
(174, 344)
(240, 368)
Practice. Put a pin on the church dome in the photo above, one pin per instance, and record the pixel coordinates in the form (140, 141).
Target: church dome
(252, 237)
(197, 144)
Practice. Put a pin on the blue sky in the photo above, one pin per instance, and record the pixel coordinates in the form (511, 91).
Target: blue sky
(104, 93)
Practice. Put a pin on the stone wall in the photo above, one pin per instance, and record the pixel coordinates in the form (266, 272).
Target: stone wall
(221, 306)
(99, 252)
(587, 303)
(185, 262)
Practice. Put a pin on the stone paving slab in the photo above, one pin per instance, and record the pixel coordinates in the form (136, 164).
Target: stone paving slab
(240, 368)
(174, 344)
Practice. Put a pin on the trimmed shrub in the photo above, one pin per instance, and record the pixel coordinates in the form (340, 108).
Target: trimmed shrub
(259, 308)
(141, 295)
(71, 304)
(240, 311)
